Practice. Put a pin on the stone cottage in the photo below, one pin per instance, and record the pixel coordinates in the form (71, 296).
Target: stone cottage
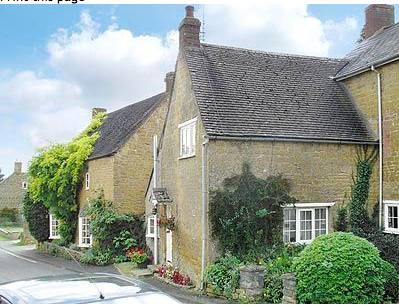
(13, 188)
(302, 116)
(121, 162)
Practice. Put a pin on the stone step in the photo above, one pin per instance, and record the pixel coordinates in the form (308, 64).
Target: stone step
(152, 268)
(141, 272)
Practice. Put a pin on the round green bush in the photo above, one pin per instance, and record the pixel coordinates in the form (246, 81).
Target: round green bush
(340, 268)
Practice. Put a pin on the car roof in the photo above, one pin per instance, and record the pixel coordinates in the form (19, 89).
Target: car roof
(77, 288)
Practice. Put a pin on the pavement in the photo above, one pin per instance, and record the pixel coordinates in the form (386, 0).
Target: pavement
(19, 262)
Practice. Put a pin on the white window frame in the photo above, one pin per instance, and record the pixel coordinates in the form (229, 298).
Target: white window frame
(187, 132)
(51, 219)
(24, 185)
(387, 204)
(87, 181)
(81, 238)
(312, 208)
(151, 233)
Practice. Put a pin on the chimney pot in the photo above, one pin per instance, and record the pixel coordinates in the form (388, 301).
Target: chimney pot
(97, 110)
(18, 167)
(169, 81)
(377, 17)
(189, 11)
(189, 30)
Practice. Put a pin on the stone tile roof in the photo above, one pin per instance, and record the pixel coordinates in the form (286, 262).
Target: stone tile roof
(257, 94)
(121, 124)
(382, 46)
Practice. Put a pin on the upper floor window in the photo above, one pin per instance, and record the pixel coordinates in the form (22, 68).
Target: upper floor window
(303, 223)
(87, 180)
(54, 227)
(187, 138)
(24, 185)
(391, 214)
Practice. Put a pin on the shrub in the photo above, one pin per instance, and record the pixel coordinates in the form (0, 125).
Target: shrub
(247, 212)
(340, 268)
(36, 215)
(112, 231)
(223, 276)
(391, 285)
(97, 256)
(279, 262)
(387, 244)
(138, 256)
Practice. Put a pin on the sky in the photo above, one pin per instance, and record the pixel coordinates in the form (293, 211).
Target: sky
(58, 62)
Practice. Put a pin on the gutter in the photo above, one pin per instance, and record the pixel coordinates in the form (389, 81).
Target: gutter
(155, 186)
(288, 139)
(204, 209)
(380, 145)
(368, 68)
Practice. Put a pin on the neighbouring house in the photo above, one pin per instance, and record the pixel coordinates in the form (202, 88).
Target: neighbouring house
(372, 78)
(302, 116)
(122, 160)
(13, 189)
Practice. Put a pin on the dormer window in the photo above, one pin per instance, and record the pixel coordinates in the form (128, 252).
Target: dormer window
(24, 185)
(87, 181)
(187, 138)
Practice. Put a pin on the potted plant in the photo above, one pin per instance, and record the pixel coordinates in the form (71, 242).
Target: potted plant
(139, 256)
(167, 222)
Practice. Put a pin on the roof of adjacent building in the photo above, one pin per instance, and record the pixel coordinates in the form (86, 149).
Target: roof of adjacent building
(379, 48)
(119, 125)
(245, 93)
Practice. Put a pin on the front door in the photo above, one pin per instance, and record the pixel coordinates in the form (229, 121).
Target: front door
(168, 246)
(169, 239)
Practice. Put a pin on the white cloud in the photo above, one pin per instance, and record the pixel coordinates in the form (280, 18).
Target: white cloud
(114, 67)
(60, 125)
(272, 27)
(26, 92)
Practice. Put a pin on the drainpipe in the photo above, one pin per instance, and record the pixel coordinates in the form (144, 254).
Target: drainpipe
(156, 214)
(380, 145)
(204, 210)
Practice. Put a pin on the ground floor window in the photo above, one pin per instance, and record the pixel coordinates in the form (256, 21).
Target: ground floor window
(85, 238)
(304, 222)
(151, 227)
(391, 214)
(54, 227)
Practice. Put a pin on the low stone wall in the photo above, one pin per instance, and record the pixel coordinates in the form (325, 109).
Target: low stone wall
(252, 280)
(60, 251)
(10, 235)
(289, 288)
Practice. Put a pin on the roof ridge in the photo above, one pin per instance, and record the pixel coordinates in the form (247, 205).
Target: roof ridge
(276, 53)
(136, 103)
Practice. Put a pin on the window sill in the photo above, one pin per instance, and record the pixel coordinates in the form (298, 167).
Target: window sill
(54, 237)
(391, 231)
(186, 156)
(84, 245)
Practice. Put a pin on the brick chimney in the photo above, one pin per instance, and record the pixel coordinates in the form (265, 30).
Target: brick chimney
(377, 17)
(18, 167)
(97, 110)
(189, 30)
(169, 81)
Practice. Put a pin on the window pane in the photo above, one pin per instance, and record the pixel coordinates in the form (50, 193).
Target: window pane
(305, 218)
(289, 229)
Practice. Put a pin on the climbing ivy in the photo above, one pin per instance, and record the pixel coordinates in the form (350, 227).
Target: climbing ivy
(246, 215)
(55, 173)
(359, 220)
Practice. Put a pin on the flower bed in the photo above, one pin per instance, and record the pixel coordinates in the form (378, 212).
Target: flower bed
(171, 275)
